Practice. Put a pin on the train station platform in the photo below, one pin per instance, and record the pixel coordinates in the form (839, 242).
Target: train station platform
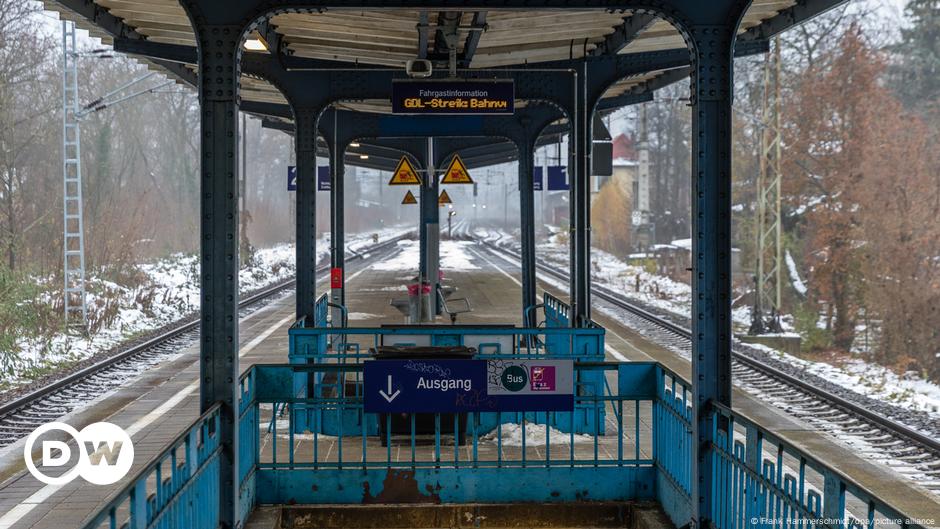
(163, 403)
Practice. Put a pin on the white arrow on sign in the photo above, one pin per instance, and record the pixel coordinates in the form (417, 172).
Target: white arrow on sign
(389, 396)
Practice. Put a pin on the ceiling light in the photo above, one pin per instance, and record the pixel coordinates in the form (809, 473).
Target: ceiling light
(363, 156)
(255, 45)
(354, 144)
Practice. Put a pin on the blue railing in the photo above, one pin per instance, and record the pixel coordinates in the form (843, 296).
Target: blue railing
(312, 342)
(672, 444)
(477, 456)
(177, 489)
(770, 483)
(643, 453)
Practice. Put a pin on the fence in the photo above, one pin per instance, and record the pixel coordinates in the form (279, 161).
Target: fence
(642, 453)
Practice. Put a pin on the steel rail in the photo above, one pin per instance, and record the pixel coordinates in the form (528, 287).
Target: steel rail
(9, 408)
(832, 399)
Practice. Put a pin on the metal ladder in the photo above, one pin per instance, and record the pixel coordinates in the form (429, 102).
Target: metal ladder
(76, 313)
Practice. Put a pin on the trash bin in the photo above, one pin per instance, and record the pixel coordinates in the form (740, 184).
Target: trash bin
(424, 422)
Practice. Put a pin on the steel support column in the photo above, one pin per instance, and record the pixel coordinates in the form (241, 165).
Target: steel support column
(579, 195)
(337, 225)
(306, 210)
(526, 150)
(711, 249)
(218, 368)
(429, 231)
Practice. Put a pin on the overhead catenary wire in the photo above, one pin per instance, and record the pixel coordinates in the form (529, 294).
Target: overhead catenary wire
(105, 101)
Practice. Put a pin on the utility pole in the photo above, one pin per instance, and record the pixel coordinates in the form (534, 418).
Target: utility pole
(76, 312)
(642, 220)
(766, 313)
(73, 217)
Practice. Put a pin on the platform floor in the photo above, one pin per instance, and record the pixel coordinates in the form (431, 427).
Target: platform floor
(159, 404)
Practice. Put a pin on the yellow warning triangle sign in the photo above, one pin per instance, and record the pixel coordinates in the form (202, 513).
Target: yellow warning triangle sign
(457, 173)
(409, 198)
(444, 198)
(405, 174)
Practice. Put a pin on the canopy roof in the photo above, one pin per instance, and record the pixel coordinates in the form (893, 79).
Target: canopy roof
(390, 37)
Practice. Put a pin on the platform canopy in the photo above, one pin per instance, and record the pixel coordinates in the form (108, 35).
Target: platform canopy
(390, 37)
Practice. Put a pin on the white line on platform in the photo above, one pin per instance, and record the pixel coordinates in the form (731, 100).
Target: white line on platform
(607, 347)
(500, 270)
(615, 353)
(361, 270)
(34, 500)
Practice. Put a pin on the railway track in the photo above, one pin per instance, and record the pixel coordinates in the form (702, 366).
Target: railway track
(910, 452)
(23, 414)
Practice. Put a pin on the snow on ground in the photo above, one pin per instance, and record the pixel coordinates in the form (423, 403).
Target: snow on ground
(406, 259)
(534, 436)
(878, 382)
(795, 279)
(168, 293)
(909, 390)
(353, 316)
(454, 256)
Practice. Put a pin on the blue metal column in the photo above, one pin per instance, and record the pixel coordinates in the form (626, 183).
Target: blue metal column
(434, 241)
(579, 175)
(306, 196)
(711, 244)
(526, 150)
(218, 367)
(337, 224)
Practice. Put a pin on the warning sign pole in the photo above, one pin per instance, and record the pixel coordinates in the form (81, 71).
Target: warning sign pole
(337, 239)
(430, 235)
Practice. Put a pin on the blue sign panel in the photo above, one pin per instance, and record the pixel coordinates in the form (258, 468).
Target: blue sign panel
(452, 97)
(323, 178)
(557, 178)
(537, 179)
(292, 178)
(458, 386)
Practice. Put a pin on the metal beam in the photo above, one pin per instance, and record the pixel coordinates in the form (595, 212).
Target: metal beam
(664, 79)
(157, 50)
(473, 39)
(788, 18)
(263, 108)
(625, 100)
(115, 28)
(624, 34)
(423, 29)
(447, 24)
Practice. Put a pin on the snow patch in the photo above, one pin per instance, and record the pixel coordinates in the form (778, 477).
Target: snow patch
(168, 293)
(795, 279)
(534, 436)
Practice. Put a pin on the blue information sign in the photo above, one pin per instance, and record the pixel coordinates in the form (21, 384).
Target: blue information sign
(323, 178)
(557, 178)
(457, 386)
(292, 178)
(537, 179)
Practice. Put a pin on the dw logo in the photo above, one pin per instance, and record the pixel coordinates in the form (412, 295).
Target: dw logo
(105, 453)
